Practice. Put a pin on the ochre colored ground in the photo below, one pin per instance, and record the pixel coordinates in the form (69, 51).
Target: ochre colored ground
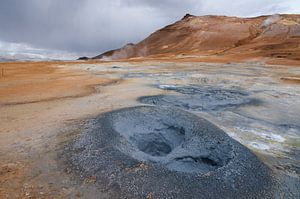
(41, 101)
(33, 82)
(32, 95)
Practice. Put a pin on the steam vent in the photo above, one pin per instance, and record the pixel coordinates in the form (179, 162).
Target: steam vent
(157, 152)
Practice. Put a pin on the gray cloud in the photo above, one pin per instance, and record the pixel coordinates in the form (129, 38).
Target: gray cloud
(93, 26)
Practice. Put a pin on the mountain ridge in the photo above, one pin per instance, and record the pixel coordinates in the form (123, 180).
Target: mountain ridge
(276, 36)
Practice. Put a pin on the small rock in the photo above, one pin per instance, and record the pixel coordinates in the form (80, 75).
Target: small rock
(90, 180)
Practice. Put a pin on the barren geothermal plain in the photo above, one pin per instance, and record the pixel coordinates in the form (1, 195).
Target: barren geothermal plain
(168, 126)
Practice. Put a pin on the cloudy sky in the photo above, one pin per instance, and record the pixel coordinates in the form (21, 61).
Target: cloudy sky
(88, 27)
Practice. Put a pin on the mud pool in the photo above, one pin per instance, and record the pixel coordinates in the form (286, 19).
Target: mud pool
(138, 150)
(248, 102)
(197, 98)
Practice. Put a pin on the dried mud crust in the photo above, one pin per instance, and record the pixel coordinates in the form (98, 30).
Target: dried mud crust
(165, 153)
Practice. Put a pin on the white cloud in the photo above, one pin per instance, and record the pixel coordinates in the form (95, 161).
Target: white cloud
(27, 52)
(92, 26)
(250, 8)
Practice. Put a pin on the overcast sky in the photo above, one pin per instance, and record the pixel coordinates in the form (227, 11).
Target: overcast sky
(89, 27)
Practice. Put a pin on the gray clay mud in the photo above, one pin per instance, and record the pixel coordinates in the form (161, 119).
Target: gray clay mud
(232, 110)
(201, 98)
(164, 139)
(165, 153)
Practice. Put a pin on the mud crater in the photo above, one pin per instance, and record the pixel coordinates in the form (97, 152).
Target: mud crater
(170, 140)
(201, 98)
(166, 151)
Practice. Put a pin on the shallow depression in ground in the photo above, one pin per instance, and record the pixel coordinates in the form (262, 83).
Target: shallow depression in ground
(170, 139)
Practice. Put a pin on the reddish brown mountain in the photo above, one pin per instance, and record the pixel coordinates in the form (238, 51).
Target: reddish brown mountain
(266, 36)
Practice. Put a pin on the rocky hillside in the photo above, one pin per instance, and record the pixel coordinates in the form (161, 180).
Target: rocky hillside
(265, 36)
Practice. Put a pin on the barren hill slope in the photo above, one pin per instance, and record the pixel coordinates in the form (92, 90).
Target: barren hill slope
(265, 36)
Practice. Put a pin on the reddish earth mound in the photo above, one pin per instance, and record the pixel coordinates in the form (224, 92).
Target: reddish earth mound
(276, 36)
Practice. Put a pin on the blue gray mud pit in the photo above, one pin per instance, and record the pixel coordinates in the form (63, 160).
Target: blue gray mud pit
(201, 98)
(163, 152)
